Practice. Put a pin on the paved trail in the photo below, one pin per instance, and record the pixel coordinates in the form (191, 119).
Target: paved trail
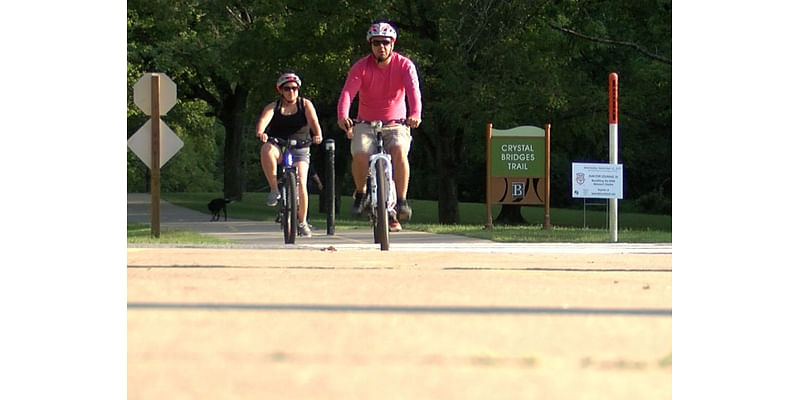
(437, 320)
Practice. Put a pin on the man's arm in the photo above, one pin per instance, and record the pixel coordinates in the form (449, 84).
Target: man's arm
(349, 92)
(414, 96)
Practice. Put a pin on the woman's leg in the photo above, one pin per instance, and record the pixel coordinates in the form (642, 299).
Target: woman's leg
(269, 164)
(302, 191)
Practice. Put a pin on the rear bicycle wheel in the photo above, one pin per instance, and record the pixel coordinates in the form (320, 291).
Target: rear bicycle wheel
(381, 226)
(289, 214)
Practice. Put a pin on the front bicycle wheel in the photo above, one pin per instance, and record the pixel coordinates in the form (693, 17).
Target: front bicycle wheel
(289, 214)
(381, 226)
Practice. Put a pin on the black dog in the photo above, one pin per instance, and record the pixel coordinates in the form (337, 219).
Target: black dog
(217, 205)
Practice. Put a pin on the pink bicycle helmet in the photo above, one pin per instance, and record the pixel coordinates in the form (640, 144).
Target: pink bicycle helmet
(381, 29)
(286, 78)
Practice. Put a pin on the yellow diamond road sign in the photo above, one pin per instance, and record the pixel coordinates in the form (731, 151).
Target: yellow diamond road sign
(142, 93)
(141, 144)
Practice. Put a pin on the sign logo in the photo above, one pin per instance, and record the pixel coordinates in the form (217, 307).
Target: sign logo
(580, 177)
(517, 190)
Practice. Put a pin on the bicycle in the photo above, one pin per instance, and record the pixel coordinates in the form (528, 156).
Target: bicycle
(381, 196)
(288, 186)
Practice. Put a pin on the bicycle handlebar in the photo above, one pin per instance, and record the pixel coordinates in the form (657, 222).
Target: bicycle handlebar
(384, 123)
(295, 143)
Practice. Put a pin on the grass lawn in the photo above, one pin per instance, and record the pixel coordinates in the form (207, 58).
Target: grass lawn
(140, 233)
(569, 225)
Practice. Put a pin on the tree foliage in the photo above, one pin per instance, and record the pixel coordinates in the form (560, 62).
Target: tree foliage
(509, 62)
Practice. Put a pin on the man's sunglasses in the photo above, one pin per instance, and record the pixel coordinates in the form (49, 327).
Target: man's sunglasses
(385, 43)
(289, 88)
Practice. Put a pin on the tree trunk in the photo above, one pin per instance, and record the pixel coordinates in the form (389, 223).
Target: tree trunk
(448, 199)
(447, 157)
(232, 117)
(232, 177)
(510, 214)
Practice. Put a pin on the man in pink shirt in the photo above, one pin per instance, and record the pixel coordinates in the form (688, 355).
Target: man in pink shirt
(382, 80)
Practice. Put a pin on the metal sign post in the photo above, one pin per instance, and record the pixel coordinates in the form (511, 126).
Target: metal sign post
(330, 187)
(613, 114)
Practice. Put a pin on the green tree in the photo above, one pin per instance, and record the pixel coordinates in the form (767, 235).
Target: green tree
(222, 54)
(507, 62)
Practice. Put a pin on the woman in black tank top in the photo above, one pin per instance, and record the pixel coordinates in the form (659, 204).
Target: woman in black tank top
(292, 126)
(290, 117)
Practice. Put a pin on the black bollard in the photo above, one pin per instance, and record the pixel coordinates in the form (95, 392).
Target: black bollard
(330, 190)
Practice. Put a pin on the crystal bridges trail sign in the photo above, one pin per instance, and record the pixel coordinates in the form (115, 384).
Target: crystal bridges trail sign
(518, 168)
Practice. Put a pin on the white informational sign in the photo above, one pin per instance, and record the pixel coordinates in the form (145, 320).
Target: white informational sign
(597, 181)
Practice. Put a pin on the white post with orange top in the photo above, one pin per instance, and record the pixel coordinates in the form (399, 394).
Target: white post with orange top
(613, 115)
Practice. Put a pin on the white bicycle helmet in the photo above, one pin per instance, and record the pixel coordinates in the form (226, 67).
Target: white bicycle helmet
(286, 78)
(381, 29)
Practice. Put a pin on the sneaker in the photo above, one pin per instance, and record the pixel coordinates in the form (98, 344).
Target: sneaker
(357, 206)
(394, 226)
(304, 230)
(272, 198)
(403, 210)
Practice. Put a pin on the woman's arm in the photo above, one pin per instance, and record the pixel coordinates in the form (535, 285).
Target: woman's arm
(263, 121)
(313, 122)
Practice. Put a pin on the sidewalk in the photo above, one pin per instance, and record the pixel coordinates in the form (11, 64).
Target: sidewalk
(268, 235)
(437, 316)
(247, 234)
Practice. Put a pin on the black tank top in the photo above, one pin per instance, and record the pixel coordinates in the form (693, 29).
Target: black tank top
(293, 126)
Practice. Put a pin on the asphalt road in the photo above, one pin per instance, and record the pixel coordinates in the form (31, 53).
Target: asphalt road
(437, 317)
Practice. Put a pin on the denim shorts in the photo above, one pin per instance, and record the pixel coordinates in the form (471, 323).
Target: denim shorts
(301, 154)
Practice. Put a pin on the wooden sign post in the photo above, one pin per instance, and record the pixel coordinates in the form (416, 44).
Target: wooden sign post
(154, 143)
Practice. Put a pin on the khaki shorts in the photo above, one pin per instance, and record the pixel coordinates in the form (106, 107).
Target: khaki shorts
(393, 135)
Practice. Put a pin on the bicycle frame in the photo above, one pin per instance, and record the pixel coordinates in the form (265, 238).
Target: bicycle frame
(372, 187)
(288, 187)
(391, 198)
(381, 196)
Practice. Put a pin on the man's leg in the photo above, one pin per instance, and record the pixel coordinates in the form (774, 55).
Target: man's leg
(400, 171)
(361, 147)
(399, 146)
(360, 168)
